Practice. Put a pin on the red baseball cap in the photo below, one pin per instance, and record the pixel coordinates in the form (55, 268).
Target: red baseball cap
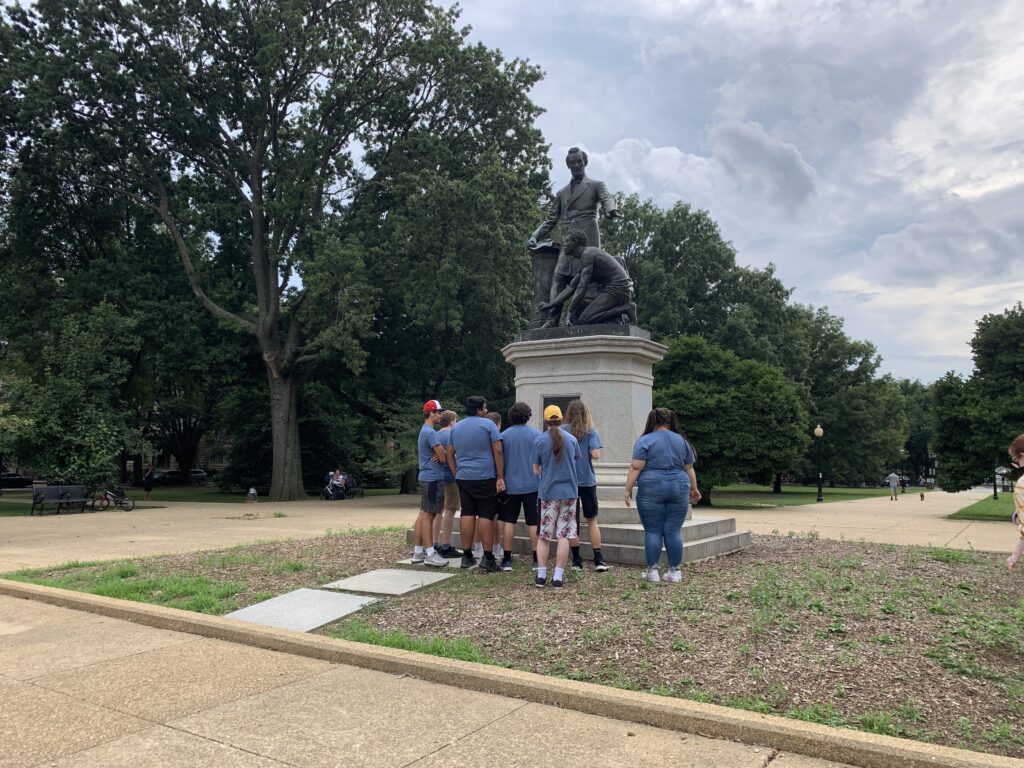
(432, 405)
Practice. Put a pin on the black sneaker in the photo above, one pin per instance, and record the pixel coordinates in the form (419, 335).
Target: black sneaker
(556, 583)
(600, 564)
(467, 561)
(506, 562)
(577, 565)
(449, 551)
(489, 564)
(540, 582)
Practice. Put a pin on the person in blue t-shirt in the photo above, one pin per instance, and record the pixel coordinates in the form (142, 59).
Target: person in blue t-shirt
(554, 458)
(663, 463)
(579, 424)
(476, 459)
(520, 482)
(443, 523)
(431, 476)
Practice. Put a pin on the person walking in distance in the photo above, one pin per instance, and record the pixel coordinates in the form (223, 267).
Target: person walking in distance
(554, 458)
(893, 481)
(476, 459)
(520, 482)
(431, 455)
(580, 425)
(663, 464)
(1016, 452)
(443, 523)
(148, 479)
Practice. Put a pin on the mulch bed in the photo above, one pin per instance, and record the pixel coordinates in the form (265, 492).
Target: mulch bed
(908, 641)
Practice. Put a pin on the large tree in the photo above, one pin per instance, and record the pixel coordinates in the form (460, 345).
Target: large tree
(745, 419)
(244, 128)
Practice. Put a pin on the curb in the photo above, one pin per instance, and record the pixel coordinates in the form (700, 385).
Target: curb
(857, 748)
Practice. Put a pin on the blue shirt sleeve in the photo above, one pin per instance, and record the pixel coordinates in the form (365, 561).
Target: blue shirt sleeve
(640, 449)
(595, 439)
(494, 433)
(689, 455)
(433, 439)
(535, 452)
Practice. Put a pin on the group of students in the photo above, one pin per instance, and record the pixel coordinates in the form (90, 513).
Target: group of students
(492, 476)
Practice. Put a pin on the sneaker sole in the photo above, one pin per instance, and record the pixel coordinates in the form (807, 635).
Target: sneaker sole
(601, 568)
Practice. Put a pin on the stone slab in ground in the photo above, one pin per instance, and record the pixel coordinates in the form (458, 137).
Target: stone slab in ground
(302, 610)
(391, 581)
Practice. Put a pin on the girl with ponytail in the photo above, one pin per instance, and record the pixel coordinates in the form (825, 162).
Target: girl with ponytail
(554, 458)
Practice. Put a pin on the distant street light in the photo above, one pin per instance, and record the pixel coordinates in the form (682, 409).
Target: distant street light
(818, 434)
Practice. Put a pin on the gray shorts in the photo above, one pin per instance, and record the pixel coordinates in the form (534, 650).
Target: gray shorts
(431, 496)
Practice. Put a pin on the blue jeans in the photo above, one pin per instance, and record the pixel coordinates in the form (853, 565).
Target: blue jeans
(662, 499)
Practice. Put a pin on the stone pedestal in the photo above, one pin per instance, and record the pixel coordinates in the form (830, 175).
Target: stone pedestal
(610, 373)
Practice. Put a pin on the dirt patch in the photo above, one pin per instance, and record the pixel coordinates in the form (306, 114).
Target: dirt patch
(909, 641)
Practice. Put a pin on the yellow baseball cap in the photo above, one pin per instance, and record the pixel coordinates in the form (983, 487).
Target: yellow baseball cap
(552, 412)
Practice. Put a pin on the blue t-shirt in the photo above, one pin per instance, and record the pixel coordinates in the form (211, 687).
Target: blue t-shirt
(444, 436)
(557, 478)
(472, 438)
(664, 449)
(517, 442)
(585, 466)
(430, 469)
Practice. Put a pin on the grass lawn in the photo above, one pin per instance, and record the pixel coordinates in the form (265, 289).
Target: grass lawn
(922, 643)
(744, 496)
(988, 509)
(10, 508)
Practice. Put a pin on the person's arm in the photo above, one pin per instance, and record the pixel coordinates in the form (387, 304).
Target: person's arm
(439, 454)
(536, 469)
(450, 458)
(607, 201)
(561, 297)
(499, 463)
(636, 466)
(694, 492)
(554, 214)
(595, 454)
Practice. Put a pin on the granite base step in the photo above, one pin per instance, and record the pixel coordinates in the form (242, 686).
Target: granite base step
(703, 537)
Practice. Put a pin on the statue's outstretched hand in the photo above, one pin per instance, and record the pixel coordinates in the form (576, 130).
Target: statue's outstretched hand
(613, 214)
(531, 242)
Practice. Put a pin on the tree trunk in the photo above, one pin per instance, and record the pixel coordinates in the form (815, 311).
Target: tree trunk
(137, 470)
(777, 486)
(409, 481)
(286, 477)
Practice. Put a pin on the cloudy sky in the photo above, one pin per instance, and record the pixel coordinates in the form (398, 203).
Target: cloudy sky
(871, 149)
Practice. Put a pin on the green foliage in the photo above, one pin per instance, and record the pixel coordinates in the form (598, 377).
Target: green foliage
(977, 418)
(457, 648)
(744, 417)
(74, 424)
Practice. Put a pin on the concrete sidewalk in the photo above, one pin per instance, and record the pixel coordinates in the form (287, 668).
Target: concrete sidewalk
(30, 542)
(87, 691)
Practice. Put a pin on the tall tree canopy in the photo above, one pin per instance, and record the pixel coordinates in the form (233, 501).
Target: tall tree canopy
(248, 130)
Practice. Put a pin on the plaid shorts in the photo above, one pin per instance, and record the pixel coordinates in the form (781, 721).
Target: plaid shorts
(557, 519)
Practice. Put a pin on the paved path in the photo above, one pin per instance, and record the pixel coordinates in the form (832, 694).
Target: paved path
(78, 690)
(27, 542)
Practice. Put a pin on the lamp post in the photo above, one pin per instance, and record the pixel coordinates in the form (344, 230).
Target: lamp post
(818, 434)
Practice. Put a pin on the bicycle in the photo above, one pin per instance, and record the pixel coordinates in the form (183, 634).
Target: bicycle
(114, 496)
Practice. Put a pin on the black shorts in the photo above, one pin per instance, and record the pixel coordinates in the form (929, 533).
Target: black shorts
(479, 498)
(431, 496)
(588, 500)
(510, 503)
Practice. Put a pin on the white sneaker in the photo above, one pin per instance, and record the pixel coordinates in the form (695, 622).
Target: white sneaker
(436, 559)
(673, 575)
(498, 552)
(650, 574)
(418, 557)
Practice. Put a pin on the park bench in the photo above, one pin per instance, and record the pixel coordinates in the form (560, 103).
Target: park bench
(63, 497)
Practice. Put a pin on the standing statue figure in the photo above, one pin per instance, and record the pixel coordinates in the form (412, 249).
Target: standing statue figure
(576, 207)
(593, 266)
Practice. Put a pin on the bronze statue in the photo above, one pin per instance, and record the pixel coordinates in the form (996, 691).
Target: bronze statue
(575, 206)
(593, 266)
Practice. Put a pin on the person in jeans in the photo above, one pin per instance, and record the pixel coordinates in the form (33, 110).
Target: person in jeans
(476, 459)
(431, 455)
(579, 424)
(663, 463)
(554, 458)
(520, 482)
